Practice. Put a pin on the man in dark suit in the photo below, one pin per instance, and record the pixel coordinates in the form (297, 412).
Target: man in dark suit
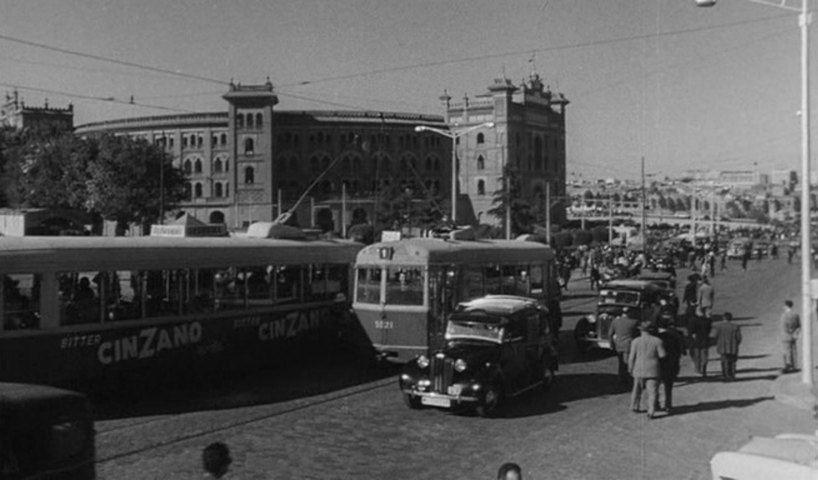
(622, 331)
(728, 337)
(699, 328)
(670, 365)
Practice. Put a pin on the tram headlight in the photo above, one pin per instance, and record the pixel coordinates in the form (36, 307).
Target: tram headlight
(460, 365)
(423, 361)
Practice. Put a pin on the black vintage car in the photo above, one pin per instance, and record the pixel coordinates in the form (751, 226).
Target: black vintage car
(650, 301)
(496, 347)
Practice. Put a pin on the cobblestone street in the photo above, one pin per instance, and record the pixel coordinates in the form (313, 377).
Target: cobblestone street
(582, 429)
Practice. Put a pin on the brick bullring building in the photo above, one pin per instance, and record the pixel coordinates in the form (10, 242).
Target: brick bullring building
(251, 162)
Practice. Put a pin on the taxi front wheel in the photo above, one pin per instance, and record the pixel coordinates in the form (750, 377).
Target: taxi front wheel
(488, 404)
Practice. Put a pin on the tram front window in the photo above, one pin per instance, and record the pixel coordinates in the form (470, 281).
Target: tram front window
(369, 285)
(404, 286)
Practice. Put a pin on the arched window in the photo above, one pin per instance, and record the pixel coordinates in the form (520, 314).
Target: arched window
(249, 175)
(248, 146)
(240, 121)
(198, 190)
(428, 164)
(249, 120)
(356, 164)
(481, 187)
(216, 217)
(217, 189)
(325, 163)
(481, 163)
(188, 166)
(199, 141)
(259, 120)
(223, 139)
(538, 153)
(294, 164)
(314, 164)
(217, 166)
(437, 164)
(319, 137)
(188, 191)
(184, 142)
(481, 138)
(345, 164)
(197, 166)
(226, 165)
(226, 189)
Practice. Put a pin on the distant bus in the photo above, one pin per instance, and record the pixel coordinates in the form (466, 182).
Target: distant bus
(86, 307)
(405, 289)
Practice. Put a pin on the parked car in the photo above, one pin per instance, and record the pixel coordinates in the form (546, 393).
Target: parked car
(792, 456)
(644, 296)
(496, 347)
(737, 246)
(45, 432)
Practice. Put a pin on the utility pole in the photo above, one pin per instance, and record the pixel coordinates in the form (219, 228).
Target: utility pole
(548, 211)
(644, 220)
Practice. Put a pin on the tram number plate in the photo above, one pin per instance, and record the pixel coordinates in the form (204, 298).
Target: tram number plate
(436, 402)
(384, 324)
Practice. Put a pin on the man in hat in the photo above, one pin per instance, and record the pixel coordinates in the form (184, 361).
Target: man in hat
(643, 364)
(622, 331)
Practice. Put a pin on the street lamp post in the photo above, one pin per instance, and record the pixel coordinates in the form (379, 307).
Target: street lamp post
(454, 135)
(804, 19)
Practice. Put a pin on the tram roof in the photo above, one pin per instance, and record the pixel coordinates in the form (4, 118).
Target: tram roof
(421, 251)
(42, 254)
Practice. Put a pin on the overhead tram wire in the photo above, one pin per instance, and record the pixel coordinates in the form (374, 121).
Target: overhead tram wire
(91, 97)
(101, 58)
(529, 51)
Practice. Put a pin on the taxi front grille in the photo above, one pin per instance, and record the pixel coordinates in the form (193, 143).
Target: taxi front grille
(442, 371)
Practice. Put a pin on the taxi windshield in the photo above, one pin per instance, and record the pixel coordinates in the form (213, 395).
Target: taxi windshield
(470, 330)
(618, 297)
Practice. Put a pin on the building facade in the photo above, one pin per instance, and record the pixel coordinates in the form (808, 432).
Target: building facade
(15, 113)
(252, 162)
(528, 135)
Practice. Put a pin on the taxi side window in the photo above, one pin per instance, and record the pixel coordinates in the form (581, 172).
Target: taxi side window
(516, 329)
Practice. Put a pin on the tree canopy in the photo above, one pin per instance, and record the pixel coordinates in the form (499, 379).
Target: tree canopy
(115, 177)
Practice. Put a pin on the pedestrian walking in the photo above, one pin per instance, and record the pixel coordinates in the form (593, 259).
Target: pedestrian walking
(669, 367)
(705, 297)
(723, 260)
(728, 338)
(790, 330)
(746, 256)
(622, 331)
(216, 460)
(699, 329)
(510, 471)
(594, 276)
(790, 254)
(643, 363)
(689, 296)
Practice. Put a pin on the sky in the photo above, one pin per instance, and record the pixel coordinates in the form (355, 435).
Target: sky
(680, 86)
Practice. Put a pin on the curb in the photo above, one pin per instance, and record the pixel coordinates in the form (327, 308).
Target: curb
(789, 390)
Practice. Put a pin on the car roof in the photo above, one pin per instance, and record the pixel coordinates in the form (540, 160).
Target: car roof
(496, 305)
(631, 284)
(655, 275)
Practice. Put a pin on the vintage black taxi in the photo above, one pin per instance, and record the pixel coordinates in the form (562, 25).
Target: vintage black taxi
(650, 301)
(496, 347)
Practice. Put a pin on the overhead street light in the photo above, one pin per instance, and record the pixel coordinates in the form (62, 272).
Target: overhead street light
(454, 135)
(804, 19)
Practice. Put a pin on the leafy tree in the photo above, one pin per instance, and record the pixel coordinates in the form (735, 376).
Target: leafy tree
(46, 171)
(522, 219)
(124, 181)
(582, 237)
(400, 205)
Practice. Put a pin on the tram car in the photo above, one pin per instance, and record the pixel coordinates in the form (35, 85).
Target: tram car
(80, 308)
(404, 289)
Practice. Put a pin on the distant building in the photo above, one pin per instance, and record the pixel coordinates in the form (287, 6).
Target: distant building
(786, 178)
(528, 133)
(742, 178)
(16, 114)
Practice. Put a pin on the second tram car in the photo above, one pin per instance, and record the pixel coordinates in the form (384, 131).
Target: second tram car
(76, 308)
(405, 289)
